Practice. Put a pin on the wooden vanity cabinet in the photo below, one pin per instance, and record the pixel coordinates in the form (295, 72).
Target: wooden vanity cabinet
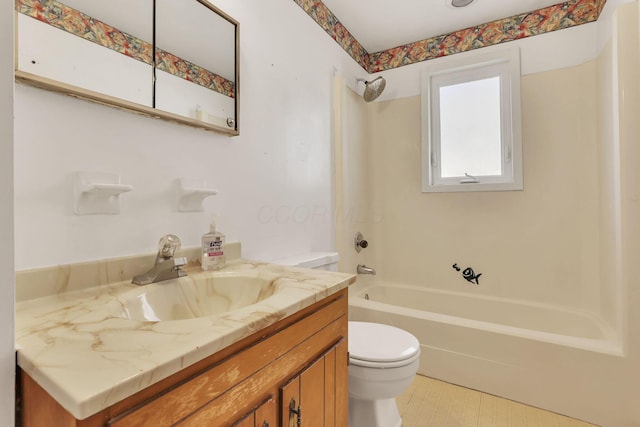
(251, 383)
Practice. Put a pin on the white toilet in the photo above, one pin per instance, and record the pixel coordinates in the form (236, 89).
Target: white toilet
(383, 359)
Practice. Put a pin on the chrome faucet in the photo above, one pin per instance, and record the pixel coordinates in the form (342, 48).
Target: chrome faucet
(363, 269)
(166, 266)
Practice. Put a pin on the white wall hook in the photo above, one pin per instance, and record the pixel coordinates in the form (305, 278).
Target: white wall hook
(191, 194)
(97, 193)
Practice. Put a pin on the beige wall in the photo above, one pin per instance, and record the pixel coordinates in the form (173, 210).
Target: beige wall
(540, 244)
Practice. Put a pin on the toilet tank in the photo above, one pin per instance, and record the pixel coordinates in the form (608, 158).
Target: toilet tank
(316, 260)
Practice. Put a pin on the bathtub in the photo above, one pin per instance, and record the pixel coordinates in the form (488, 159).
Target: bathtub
(532, 353)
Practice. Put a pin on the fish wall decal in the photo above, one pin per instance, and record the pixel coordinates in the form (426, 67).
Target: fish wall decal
(468, 274)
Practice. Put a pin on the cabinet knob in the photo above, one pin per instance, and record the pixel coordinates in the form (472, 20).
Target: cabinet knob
(293, 411)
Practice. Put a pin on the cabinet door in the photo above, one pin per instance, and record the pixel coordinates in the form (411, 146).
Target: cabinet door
(341, 391)
(315, 398)
(330, 389)
(336, 381)
(290, 403)
(312, 394)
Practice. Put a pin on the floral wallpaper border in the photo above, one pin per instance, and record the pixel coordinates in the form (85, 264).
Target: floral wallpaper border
(557, 17)
(321, 14)
(79, 24)
(560, 16)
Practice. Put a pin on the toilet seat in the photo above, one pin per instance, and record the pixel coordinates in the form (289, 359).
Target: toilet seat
(375, 345)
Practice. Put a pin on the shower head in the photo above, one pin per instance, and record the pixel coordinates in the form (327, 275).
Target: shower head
(373, 89)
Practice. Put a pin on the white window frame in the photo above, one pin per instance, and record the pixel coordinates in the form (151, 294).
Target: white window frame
(462, 68)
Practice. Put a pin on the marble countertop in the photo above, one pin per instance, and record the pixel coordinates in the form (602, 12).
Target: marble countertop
(73, 344)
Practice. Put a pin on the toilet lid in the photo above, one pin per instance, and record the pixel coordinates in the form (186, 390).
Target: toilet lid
(375, 342)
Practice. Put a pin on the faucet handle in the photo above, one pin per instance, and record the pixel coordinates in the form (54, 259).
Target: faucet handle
(168, 246)
(360, 243)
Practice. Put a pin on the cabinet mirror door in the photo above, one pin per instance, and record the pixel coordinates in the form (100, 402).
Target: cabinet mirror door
(196, 70)
(92, 45)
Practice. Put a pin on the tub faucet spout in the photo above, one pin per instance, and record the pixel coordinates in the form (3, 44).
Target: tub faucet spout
(363, 269)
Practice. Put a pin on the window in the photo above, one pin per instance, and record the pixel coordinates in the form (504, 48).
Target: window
(471, 137)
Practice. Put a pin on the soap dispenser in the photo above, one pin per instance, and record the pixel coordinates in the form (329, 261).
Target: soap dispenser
(212, 248)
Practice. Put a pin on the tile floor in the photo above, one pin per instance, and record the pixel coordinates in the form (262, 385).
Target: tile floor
(433, 403)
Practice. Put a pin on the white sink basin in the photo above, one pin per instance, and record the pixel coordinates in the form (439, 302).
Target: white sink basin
(192, 297)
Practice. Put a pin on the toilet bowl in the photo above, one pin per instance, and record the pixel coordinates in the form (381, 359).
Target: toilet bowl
(383, 361)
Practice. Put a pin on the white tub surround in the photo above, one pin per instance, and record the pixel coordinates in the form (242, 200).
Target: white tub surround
(74, 342)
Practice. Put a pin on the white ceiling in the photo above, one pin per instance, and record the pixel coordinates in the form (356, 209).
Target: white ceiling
(383, 24)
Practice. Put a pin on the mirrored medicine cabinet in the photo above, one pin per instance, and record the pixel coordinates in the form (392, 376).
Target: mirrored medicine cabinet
(172, 59)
